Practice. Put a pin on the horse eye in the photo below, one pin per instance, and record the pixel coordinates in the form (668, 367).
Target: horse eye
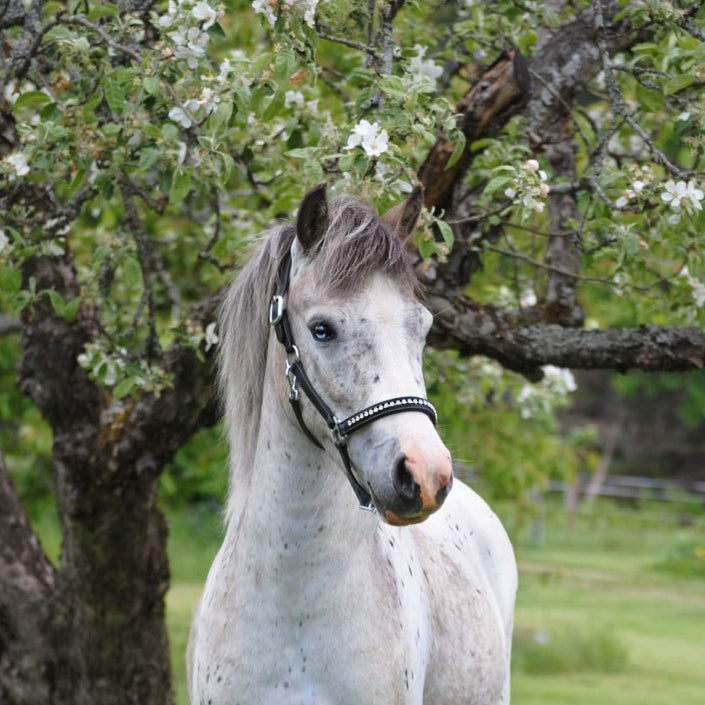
(322, 331)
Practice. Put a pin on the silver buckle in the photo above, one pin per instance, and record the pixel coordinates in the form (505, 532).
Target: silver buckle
(276, 309)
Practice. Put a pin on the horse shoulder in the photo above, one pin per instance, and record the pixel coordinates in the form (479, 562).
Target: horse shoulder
(469, 523)
(471, 574)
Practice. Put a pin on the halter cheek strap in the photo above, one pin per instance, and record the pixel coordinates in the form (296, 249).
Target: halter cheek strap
(299, 381)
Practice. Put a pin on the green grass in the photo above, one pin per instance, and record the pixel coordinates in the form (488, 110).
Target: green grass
(610, 611)
(642, 630)
(194, 538)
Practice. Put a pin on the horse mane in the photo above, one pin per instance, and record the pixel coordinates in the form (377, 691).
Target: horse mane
(356, 245)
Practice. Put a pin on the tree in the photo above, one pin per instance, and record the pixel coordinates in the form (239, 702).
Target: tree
(145, 145)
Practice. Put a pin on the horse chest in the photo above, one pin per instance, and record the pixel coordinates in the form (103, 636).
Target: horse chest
(302, 636)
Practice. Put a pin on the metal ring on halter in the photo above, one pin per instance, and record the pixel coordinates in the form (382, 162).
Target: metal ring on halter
(276, 309)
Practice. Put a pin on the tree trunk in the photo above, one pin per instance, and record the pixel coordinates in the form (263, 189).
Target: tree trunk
(107, 641)
(28, 661)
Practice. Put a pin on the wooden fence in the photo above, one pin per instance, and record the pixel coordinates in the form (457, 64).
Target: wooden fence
(633, 488)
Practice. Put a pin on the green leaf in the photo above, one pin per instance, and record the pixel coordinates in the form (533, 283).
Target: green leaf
(102, 9)
(131, 272)
(496, 183)
(115, 96)
(148, 158)
(313, 172)
(260, 63)
(275, 106)
(10, 279)
(457, 151)
(215, 30)
(152, 85)
(71, 308)
(678, 83)
(446, 232)
(220, 117)
(228, 165)
(180, 186)
(124, 387)
(301, 153)
(393, 86)
(31, 98)
(169, 131)
(284, 64)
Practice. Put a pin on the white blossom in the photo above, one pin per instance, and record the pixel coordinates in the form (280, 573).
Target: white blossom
(211, 337)
(266, 8)
(369, 136)
(559, 380)
(292, 98)
(179, 115)
(18, 161)
(203, 12)
(4, 240)
(629, 193)
(682, 196)
(181, 157)
(209, 100)
(696, 286)
(419, 67)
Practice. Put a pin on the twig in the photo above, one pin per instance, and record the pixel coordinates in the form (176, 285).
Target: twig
(368, 49)
(135, 226)
(617, 101)
(83, 21)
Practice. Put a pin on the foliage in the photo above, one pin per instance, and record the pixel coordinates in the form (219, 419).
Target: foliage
(25, 439)
(165, 141)
(501, 427)
(689, 389)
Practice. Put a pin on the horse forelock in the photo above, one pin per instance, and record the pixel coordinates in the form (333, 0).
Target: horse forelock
(358, 245)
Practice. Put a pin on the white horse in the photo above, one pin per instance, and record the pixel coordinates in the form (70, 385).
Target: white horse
(311, 600)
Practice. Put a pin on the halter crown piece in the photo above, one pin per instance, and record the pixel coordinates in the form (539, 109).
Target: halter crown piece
(299, 381)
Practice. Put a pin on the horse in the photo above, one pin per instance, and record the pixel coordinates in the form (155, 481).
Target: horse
(311, 600)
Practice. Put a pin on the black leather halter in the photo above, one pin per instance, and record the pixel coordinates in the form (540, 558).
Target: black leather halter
(298, 380)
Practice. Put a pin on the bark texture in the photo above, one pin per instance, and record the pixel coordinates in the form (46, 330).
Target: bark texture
(103, 637)
(28, 663)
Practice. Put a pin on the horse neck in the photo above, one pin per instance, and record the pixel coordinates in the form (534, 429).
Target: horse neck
(295, 498)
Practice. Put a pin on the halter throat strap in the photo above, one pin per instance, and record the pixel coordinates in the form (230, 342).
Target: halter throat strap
(299, 381)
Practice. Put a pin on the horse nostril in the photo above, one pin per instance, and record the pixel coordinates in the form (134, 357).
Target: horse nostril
(403, 480)
(443, 491)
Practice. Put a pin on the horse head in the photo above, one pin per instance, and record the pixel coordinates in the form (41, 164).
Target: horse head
(359, 330)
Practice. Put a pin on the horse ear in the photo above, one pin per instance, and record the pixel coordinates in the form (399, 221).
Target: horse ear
(312, 220)
(402, 217)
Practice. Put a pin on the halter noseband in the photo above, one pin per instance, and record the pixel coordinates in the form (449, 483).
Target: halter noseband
(298, 380)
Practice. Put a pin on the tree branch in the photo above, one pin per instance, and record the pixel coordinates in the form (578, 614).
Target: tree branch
(486, 106)
(464, 325)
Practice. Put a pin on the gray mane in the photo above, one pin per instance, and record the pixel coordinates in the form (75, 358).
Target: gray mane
(356, 245)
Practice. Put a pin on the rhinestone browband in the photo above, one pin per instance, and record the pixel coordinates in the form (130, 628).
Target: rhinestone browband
(391, 406)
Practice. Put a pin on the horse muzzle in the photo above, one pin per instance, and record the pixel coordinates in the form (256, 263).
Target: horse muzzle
(417, 487)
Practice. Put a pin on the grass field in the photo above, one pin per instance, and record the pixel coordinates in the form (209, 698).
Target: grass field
(611, 606)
